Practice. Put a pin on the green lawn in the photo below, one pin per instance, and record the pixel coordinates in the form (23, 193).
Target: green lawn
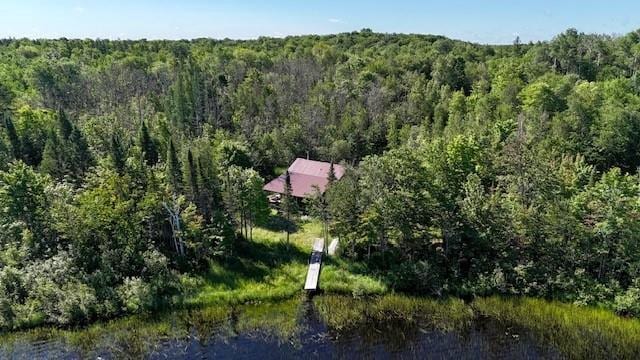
(268, 269)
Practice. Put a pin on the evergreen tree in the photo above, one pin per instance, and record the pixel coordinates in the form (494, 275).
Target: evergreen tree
(331, 178)
(191, 177)
(5, 153)
(209, 191)
(81, 158)
(288, 204)
(29, 151)
(117, 154)
(148, 146)
(173, 168)
(64, 125)
(6, 97)
(50, 163)
(14, 139)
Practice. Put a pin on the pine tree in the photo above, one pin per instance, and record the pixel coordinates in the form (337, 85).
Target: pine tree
(117, 154)
(64, 125)
(288, 203)
(29, 152)
(191, 176)
(5, 154)
(81, 158)
(147, 145)
(174, 175)
(50, 163)
(331, 178)
(14, 139)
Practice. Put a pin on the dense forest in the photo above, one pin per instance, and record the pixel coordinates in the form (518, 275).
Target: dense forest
(126, 166)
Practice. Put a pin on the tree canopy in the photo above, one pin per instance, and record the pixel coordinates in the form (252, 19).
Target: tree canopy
(472, 169)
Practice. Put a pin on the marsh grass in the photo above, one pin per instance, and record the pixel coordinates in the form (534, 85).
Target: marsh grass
(130, 337)
(138, 336)
(281, 320)
(577, 332)
(343, 313)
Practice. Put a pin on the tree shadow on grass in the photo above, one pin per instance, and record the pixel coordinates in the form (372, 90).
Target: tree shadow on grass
(278, 223)
(271, 253)
(254, 261)
(351, 266)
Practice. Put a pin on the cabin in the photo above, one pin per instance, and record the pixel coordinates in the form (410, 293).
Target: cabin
(304, 175)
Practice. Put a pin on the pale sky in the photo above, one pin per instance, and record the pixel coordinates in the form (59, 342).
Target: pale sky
(492, 21)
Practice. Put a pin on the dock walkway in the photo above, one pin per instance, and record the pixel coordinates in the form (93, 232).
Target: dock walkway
(315, 263)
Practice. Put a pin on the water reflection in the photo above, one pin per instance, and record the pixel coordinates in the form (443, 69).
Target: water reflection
(290, 329)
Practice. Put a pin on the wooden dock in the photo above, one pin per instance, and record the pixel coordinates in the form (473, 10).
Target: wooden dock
(315, 264)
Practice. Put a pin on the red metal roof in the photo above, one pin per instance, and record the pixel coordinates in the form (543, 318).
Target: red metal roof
(304, 175)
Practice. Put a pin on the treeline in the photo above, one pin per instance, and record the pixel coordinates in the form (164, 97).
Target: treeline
(126, 165)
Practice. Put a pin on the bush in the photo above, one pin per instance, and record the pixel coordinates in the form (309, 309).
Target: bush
(135, 295)
(74, 303)
(628, 303)
(78, 304)
(419, 277)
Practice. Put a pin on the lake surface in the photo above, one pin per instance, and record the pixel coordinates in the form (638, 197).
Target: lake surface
(292, 329)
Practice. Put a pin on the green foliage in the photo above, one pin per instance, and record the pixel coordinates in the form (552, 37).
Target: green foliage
(628, 303)
(66, 152)
(12, 135)
(174, 172)
(475, 169)
(147, 145)
(288, 204)
(24, 209)
(244, 198)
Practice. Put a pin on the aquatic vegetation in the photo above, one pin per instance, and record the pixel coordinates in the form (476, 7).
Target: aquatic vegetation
(342, 312)
(577, 332)
(394, 320)
(139, 335)
(280, 320)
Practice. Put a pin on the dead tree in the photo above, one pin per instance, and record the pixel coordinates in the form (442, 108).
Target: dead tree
(174, 220)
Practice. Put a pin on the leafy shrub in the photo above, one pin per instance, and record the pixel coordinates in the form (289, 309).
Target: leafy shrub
(628, 303)
(135, 294)
(419, 277)
(74, 303)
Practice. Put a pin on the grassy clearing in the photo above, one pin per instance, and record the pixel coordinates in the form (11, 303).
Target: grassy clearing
(578, 333)
(344, 313)
(270, 269)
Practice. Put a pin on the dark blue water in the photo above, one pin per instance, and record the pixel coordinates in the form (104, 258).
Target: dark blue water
(371, 343)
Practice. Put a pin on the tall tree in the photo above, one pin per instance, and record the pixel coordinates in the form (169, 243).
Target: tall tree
(331, 177)
(118, 156)
(288, 204)
(174, 173)
(64, 125)
(14, 139)
(148, 146)
(81, 157)
(191, 177)
(51, 158)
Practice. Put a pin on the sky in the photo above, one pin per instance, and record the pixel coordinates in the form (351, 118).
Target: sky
(487, 22)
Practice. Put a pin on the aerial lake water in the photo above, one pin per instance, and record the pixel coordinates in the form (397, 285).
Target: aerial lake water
(289, 329)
